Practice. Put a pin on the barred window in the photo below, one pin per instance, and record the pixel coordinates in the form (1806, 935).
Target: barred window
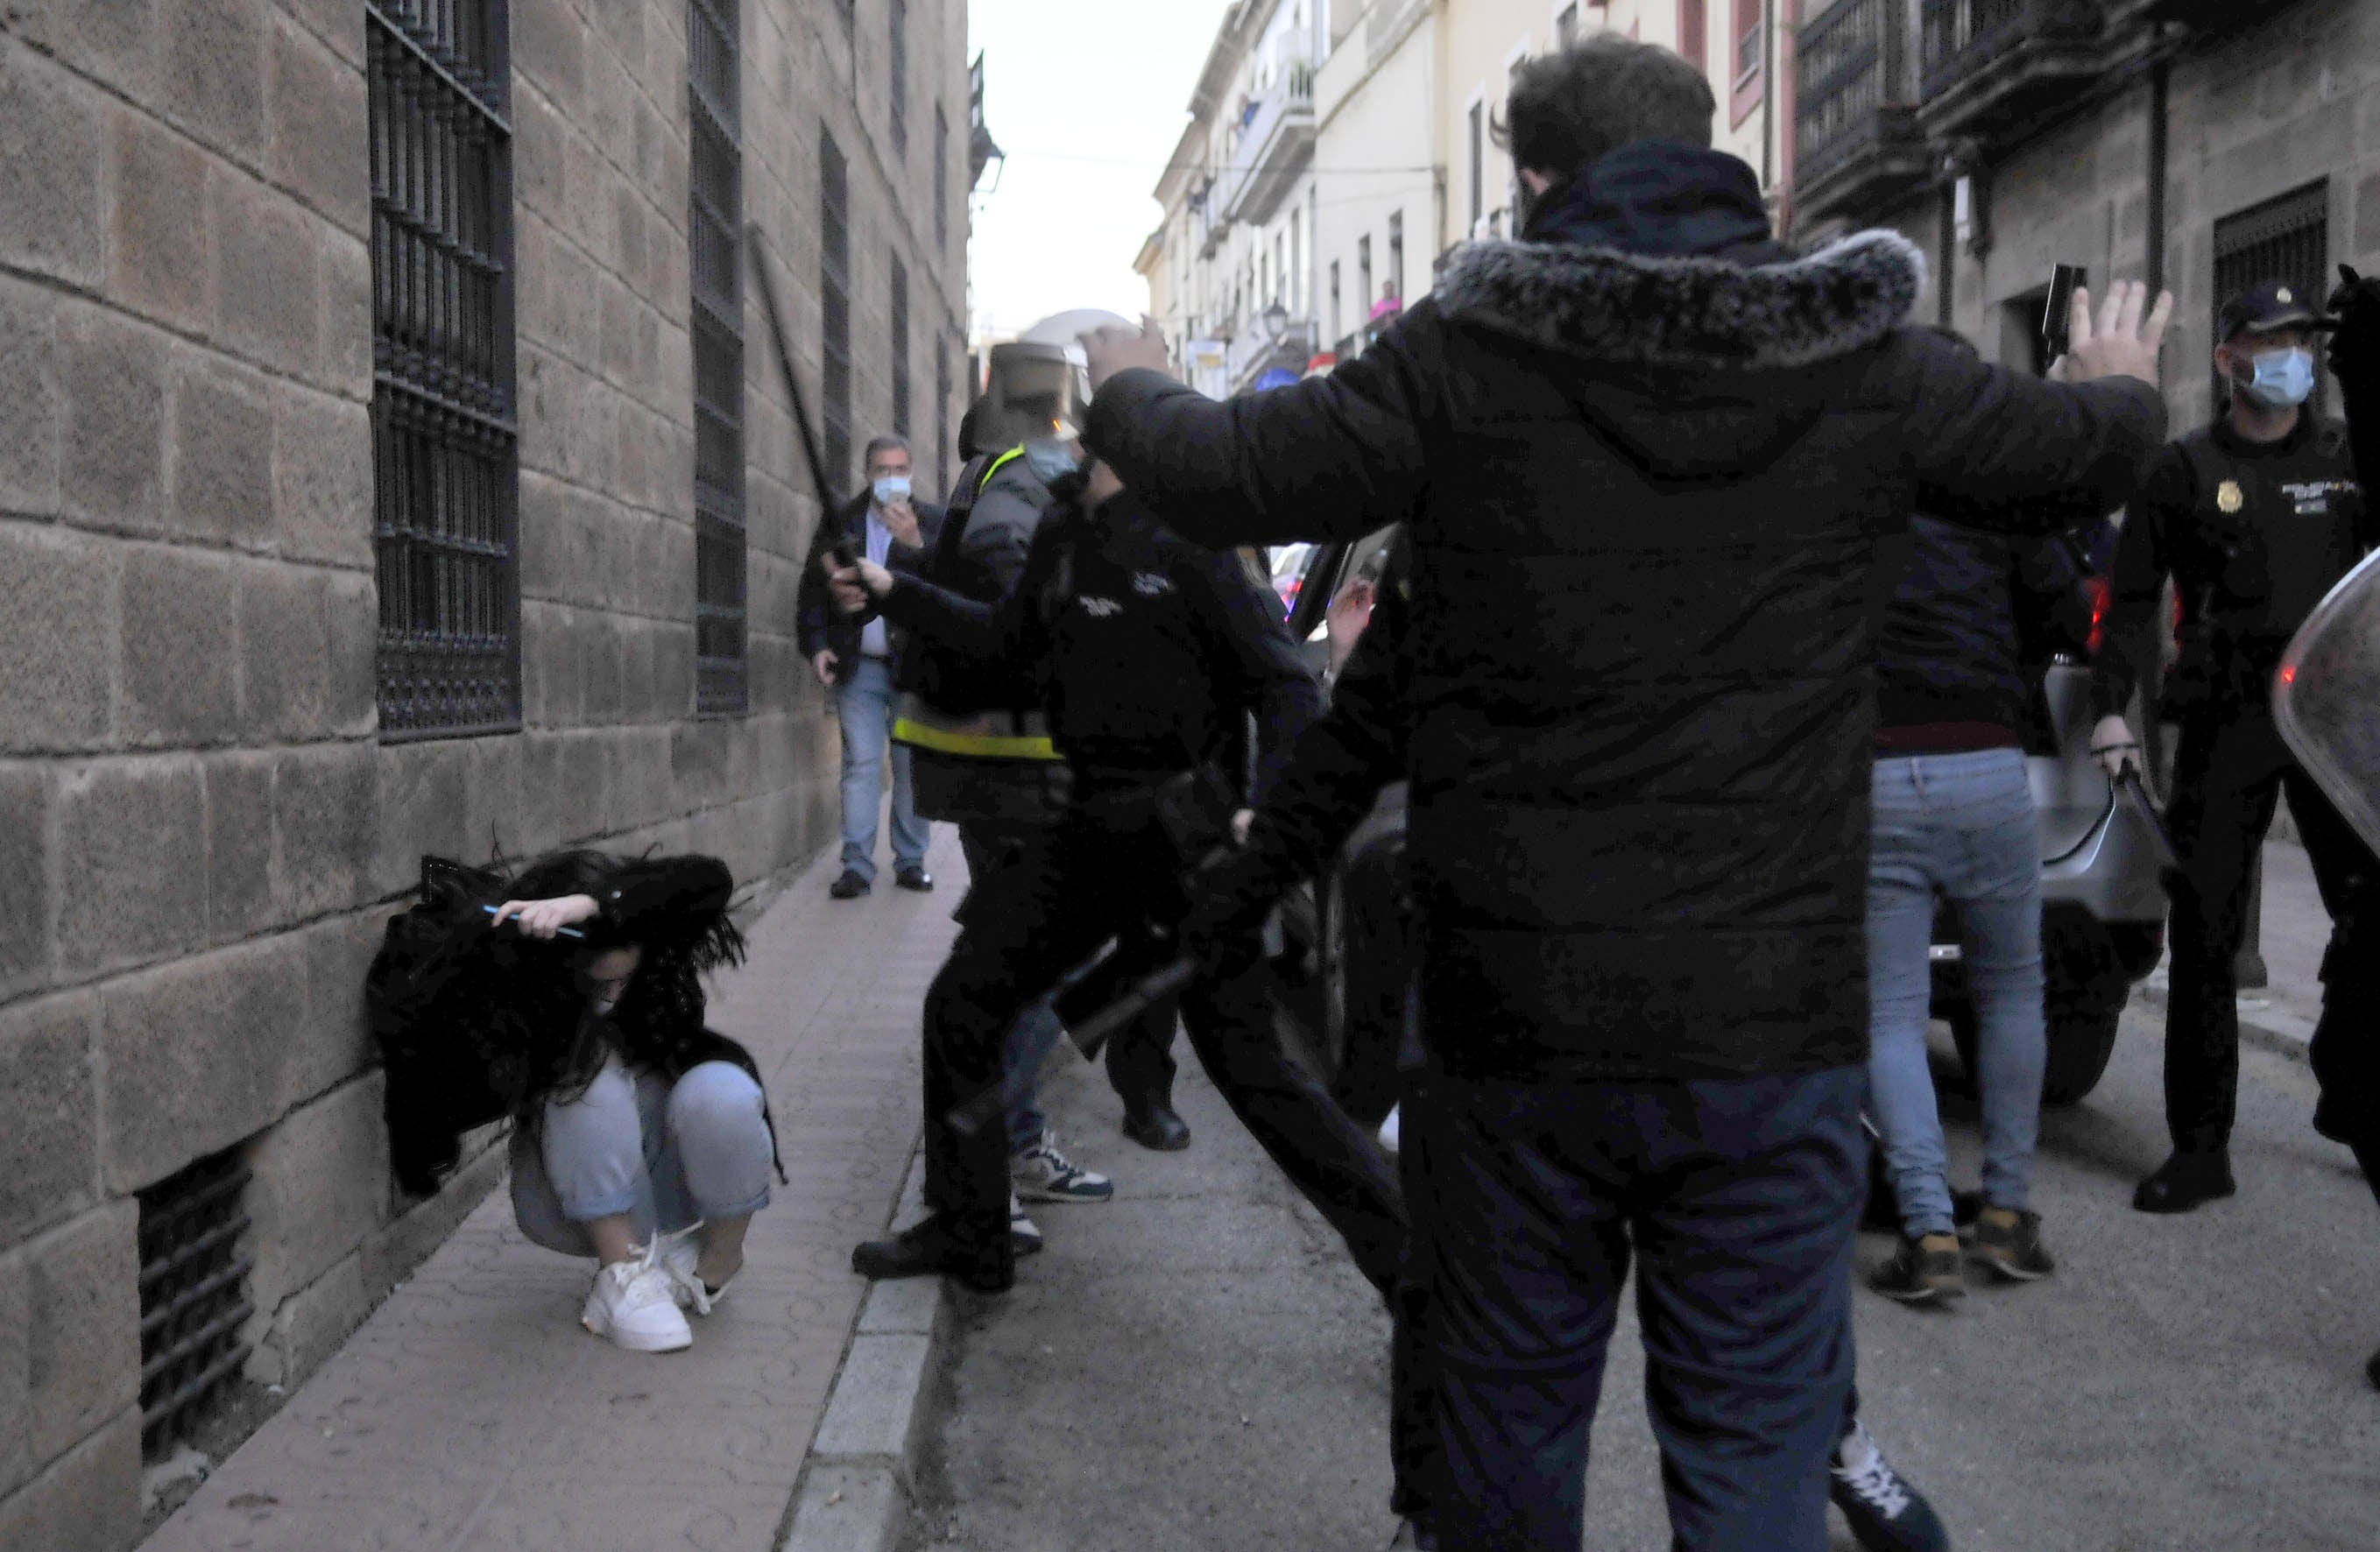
(943, 408)
(941, 183)
(715, 222)
(900, 346)
(446, 446)
(2286, 239)
(899, 61)
(834, 310)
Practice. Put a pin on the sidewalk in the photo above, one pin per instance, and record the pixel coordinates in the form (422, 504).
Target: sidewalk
(2296, 930)
(472, 1413)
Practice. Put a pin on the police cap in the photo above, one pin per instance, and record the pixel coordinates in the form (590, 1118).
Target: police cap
(2267, 306)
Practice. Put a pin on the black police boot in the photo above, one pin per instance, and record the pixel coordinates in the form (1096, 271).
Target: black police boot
(934, 1248)
(1152, 1123)
(2184, 1181)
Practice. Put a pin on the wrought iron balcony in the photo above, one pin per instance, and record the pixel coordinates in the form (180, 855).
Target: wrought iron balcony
(1275, 144)
(1860, 149)
(1990, 68)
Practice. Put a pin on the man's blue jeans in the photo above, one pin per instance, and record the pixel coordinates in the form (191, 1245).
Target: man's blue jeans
(864, 704)
(1960, 827)
(1736, 1197)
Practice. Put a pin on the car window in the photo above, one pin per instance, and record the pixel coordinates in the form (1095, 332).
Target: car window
(1289, 564)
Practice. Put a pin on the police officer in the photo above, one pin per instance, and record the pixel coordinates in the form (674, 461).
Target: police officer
(2254, 517)
(1147, 650)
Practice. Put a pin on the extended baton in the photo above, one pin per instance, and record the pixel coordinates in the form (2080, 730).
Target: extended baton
(2128, 783)
(755, 245)
(970, 1117)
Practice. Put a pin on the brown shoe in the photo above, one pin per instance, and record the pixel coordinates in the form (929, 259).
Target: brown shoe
(1925, 1270)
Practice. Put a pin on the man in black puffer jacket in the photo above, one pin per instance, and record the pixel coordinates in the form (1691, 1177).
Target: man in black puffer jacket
(1646, 457)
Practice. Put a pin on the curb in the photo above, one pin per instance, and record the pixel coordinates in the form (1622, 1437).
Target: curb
(860, 1474)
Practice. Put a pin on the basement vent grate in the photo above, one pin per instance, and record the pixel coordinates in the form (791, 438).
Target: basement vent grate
(193, 1297)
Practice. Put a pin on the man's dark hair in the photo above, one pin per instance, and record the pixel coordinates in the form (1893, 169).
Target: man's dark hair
(1570, 108)
(887, 442)
(971, 427)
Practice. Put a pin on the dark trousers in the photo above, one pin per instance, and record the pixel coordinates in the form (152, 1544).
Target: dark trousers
(1107, 868)
(2227, 774)
(1140, 1056)
(1736, 1197)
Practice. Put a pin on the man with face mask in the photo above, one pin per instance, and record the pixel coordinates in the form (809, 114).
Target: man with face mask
(2254, 517)
(886, 524)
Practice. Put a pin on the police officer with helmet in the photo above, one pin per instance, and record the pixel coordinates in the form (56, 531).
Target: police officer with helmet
(2255, 517)
(1147, 651)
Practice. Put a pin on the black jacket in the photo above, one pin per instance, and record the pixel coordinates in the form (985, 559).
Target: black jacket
(2253, 535)
(1644, 489)
(478, 1023)
(1974, 620)
(822, 626)
(1143, 649)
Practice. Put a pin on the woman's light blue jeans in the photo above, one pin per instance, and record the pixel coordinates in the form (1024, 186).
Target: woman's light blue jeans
(1960, 827)
(668, 1155)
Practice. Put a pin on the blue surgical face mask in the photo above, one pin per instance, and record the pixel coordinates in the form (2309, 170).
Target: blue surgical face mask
(2282, 377)
(1049, 461)
(890, 488)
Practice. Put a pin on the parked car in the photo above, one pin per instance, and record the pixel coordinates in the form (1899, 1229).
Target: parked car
(1348, 941)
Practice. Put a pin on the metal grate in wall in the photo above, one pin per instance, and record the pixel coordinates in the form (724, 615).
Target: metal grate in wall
(444, 443)
(900, 346)
(2286, 239)
(897, 64)
(193, 1297)
(834, 310)
(715, 222)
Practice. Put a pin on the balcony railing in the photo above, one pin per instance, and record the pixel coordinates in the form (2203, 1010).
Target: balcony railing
(1272, 149)
(1860, 146)
(1988, 67)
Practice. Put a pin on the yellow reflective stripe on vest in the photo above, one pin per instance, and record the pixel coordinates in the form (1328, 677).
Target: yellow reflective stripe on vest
(997, 464)
(974, 745)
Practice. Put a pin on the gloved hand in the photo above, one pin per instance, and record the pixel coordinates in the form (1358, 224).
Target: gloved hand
(1231, 895)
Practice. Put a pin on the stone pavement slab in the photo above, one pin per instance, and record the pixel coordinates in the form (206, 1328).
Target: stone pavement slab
(471, 1413)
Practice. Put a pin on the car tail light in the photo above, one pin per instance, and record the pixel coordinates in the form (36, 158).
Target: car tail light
(2102, 596)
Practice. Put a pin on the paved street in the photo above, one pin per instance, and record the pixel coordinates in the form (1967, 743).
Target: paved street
(1195, 1366)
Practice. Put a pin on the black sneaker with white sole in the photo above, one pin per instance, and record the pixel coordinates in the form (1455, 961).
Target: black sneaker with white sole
(1886, 1512)
(1926, 1270)
(2009, 1241)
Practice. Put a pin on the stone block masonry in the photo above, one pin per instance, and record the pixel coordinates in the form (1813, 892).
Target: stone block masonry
(201, 829)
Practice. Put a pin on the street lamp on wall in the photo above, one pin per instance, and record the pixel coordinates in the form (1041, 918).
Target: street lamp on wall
(1275, 320)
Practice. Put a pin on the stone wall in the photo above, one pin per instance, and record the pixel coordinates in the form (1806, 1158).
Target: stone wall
(201, 830)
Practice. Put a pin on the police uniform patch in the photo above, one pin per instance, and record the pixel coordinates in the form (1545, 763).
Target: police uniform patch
(2227, 497)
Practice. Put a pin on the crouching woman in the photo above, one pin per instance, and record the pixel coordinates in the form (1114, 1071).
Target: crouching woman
(568, 998)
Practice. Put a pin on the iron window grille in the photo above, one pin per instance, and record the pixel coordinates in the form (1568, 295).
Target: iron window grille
(193, 1297)
(898, 61)
(900, 347)
(834, 310)
(715, 222)
(942, 182)
(943, 408)
(446, 446)
(2288, 239)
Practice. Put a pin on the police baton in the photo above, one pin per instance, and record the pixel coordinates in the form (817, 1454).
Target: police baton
(756, 245)
(2135, 792)
(1088, 1034)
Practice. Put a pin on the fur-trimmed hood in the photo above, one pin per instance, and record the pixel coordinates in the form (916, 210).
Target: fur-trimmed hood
(1688, 311)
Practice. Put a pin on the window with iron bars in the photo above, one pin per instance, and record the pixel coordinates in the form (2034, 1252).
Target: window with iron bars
(2288, 239)
(446, 446)
(834, 310)
(900, 346)
(194, 1298)
(715, 222)
(898, 61)
(942, 410)
(941, 183)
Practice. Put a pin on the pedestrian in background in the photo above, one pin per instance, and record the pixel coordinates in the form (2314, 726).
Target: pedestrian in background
(889, 525)
(2254, 517)
(1959, 654)
(1647, 456)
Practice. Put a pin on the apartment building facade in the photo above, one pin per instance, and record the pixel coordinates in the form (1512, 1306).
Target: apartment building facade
(393, 461)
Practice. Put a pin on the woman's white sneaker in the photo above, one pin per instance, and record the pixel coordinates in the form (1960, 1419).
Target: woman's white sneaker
(635, 1304)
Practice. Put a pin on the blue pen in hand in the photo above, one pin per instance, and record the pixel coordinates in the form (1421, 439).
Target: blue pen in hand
(559, 931)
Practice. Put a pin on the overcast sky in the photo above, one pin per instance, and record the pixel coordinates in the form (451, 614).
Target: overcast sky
(1086, 97)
